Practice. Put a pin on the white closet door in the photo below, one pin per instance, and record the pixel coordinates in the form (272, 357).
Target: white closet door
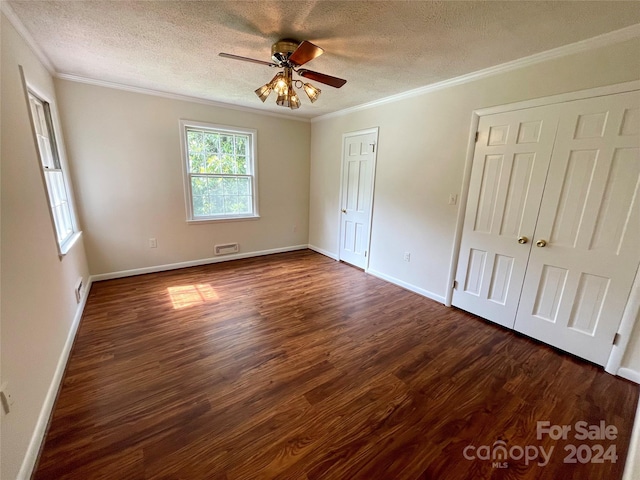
(509, 169)
(580, 273)
(357, 185)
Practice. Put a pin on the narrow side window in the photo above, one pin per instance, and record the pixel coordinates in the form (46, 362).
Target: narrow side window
(57, 190)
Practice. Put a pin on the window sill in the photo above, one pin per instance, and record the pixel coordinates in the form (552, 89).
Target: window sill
(66, 246)
(222, 219)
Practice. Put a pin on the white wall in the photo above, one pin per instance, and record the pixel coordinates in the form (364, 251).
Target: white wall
(421, 156)
(38, 300)
(124, 149)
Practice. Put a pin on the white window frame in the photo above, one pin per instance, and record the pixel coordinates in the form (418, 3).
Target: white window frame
(252, 162)
(65, 243)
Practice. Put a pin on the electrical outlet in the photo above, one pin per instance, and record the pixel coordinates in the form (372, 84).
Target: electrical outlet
(407, 257)
(6, 398)
(453, 199)
(153, 243)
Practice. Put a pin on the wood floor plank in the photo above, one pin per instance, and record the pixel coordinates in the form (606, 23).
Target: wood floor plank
(294, 366)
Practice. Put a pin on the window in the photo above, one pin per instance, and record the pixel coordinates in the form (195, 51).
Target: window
(220, 171)
(54, 177)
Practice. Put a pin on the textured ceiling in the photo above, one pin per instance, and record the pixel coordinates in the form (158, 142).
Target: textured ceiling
(380, 47)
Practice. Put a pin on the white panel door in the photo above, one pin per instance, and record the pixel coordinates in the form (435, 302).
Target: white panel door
(581, 270)
(357, 184)
(510, 164)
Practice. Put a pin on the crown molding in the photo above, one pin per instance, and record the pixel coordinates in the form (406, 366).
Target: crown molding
(24, 33)
(617, 36)
(174, 96)
(6, 9)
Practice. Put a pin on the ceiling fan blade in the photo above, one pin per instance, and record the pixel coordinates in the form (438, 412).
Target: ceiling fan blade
(322, 78)
(246, 59)
(305, 52)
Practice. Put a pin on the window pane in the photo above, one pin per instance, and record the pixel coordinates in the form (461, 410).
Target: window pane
(195, 141)
(242, 165)
(226, 144)
(42, 120)
(66, 221)
(228, 166)
(196, 163)
(238, 204)
(52, 188)
(244, 186)
(214, 165)
(241, 144)
(244, 203)
(44, 148)
(55, 185)
(59, 205)
(230, 186)
(198, 186)
(211, 143)
(198, 206)
(57, 220)
(36, 117)
(217, 205)
(195, 147)
(231, 204)
(215, 186)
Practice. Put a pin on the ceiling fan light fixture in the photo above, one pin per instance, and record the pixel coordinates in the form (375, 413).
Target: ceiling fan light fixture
(279, 83)
(283, 99)
(312, 92)
(294, 100)
(264, 91)
(290, 55)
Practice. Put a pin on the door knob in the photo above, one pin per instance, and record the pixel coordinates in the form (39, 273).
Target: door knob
(344, 210)
(541, 243)
(522, 240)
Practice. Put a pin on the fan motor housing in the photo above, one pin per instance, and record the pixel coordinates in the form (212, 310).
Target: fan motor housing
(282, 49)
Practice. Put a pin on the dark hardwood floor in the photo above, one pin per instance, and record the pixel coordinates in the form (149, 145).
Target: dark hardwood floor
(294, 366)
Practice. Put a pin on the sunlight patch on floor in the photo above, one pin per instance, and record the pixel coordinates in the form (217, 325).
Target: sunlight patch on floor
(191, 295)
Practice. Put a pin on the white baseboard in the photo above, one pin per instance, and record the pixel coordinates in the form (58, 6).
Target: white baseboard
(193, 263)
(386, 278)
(30, 458)
(323, 252)
(632, 467)
(629, 374)
(407, 286)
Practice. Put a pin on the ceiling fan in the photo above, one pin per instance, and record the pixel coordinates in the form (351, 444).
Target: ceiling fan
(290, 55)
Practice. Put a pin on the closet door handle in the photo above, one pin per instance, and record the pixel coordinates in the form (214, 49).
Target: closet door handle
(541, 243)
(522, 240)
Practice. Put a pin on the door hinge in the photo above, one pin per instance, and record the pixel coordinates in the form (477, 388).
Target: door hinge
(455, 284)
(365, 253)
(373, 147)
(477, 135)
(616, 338)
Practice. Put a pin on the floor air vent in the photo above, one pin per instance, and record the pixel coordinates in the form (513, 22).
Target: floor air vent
(226, 249)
